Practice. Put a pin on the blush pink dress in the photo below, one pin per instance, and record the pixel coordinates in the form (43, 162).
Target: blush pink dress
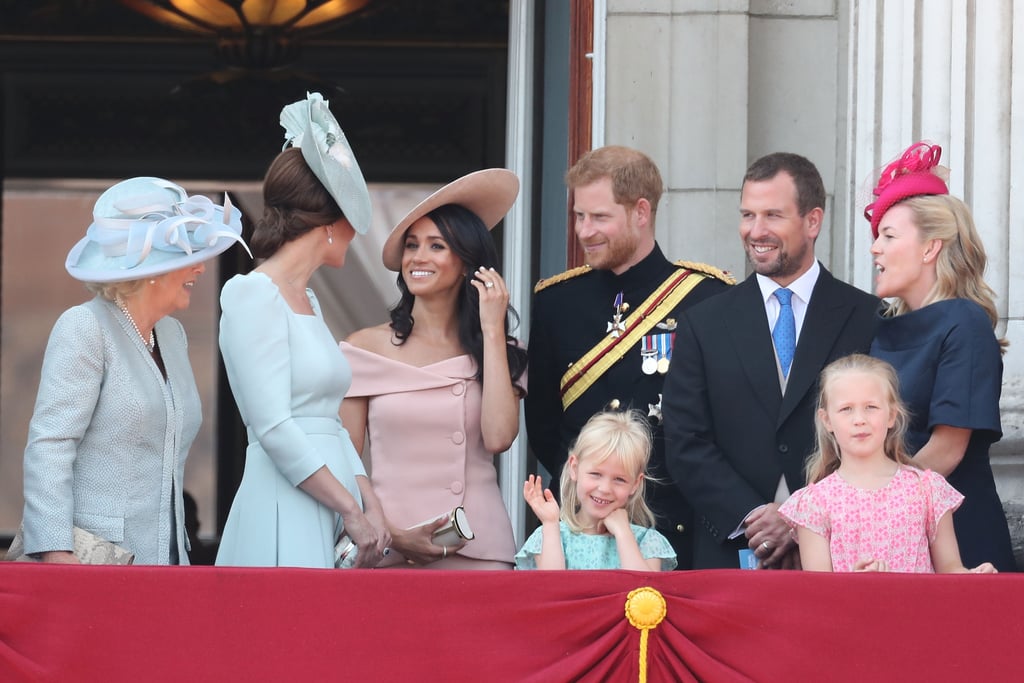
(895, 523)
(426, 449)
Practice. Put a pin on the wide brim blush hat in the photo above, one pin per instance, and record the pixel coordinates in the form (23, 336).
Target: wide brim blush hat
(143, 227)
(911, 175)
(489, 194)
(310, 126)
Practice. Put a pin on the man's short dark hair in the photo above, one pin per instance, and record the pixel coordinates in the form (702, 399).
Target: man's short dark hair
(810, 190)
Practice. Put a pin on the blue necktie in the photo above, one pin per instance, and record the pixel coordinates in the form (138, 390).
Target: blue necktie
(784, 334)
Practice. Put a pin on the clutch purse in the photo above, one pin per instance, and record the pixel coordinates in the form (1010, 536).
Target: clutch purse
(88, 548)
(345, 552)
(455, 530)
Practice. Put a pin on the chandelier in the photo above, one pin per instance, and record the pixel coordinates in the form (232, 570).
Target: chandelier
(250, 33)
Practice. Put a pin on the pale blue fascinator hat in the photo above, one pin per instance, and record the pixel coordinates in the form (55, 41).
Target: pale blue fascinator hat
(143, 227)
(310, 126)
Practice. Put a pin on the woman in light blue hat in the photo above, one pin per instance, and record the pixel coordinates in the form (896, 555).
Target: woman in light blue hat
(304, 486)
(117, 408)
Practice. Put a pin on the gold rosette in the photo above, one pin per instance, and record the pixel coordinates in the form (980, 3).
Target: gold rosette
(645, 609)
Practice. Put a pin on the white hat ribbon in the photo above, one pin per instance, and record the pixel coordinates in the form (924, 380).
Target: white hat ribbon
(147, 222)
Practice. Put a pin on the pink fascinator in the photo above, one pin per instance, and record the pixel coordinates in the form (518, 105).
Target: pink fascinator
(909, 176)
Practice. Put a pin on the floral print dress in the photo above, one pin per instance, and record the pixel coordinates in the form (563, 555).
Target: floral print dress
(895, 523)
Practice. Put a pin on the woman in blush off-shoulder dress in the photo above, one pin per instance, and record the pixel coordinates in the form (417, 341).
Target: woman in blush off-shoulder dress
(938, 334)
(303, 482)
(435, 394)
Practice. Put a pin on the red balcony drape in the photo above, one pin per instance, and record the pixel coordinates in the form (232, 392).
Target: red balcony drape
(60, 623)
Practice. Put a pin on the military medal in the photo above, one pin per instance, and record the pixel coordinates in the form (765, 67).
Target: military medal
(667, 324)
(616, 327)
(654, 410)
(664, 352)
(648, 355)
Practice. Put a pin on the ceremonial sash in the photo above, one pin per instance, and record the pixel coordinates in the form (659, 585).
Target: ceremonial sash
(582, 374)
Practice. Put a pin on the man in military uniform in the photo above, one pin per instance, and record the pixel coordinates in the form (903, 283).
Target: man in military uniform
(602, 334)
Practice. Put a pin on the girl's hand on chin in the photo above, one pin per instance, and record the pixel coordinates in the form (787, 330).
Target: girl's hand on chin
(617, 522)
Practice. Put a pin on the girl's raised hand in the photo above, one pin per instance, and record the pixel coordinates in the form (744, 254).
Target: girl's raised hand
(540, 500)
(493, 299)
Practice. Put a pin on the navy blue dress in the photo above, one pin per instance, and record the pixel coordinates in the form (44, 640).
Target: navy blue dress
(951, 373)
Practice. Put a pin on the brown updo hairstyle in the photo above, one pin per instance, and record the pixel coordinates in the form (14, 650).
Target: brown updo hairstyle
(294, 202)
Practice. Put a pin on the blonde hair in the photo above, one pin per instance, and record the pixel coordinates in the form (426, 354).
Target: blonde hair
(960, 266)
(624, 435)
(827, 458)
(112, 291)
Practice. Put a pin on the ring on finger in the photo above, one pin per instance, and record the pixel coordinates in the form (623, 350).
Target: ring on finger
(767, 548)
(488, 284)
(445, 552)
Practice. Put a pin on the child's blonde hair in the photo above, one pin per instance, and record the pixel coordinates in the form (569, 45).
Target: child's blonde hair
(827, 458)
(624, 435)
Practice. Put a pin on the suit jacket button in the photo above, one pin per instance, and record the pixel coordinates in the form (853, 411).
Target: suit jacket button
(680, 528)
(783, 448)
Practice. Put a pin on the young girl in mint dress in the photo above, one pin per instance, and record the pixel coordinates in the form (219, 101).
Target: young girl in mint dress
(604, 522)
(868, 506)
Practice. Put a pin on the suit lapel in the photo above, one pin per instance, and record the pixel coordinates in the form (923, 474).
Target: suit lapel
(826, 315)
(748, 327)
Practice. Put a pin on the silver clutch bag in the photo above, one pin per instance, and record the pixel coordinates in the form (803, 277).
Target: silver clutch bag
(88, 548)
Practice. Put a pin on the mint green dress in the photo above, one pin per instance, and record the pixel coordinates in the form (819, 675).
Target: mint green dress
(597, 551)
(288, 378)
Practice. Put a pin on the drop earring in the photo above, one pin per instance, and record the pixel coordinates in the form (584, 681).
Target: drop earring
(330, 236)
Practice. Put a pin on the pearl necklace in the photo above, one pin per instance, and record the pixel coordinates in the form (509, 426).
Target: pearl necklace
(151, 343)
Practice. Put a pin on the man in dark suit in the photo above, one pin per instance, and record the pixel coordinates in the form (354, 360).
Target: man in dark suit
(615, 199)
(739, 400)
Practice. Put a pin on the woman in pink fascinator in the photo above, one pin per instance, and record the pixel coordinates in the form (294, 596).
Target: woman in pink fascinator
(938, 332)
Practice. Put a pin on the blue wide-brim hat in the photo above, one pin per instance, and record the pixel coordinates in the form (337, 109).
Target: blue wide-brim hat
(310, 126)
(143, 227)
(489, 194)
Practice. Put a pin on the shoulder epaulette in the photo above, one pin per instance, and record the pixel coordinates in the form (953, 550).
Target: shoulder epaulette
(708, 270)
(561, 277)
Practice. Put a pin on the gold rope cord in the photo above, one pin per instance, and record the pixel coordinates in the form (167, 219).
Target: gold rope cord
(645, 609)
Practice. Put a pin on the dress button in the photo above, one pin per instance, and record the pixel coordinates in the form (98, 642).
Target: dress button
(458, 437)
(783, 448)
(459, 389)
(680, 528)
(456, 487)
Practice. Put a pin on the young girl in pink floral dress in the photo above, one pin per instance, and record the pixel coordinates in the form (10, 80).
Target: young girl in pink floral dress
(868, 507)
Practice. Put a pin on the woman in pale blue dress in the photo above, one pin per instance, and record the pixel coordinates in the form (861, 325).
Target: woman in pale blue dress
(303, 483)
